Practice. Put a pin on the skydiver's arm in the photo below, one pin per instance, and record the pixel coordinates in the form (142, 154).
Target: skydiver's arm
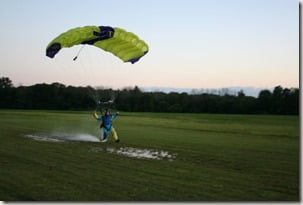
(115, 115)
(95, 115)
(99, 118)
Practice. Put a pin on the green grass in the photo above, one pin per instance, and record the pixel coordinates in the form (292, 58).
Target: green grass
(218, 158)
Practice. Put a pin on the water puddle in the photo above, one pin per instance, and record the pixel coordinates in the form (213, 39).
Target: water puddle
(137, 153)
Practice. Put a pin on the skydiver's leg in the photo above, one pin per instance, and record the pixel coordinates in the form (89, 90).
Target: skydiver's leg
(101, 137)
(105, 135)
(114, 134)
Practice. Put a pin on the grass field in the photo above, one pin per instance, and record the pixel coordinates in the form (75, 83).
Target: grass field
(217, 158)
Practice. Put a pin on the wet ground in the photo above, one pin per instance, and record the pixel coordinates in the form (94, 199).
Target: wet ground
(140, 153)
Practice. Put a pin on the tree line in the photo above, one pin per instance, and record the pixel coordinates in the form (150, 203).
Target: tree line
(56, 96)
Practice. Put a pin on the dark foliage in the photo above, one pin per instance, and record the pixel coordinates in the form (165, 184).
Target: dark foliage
(282, 101)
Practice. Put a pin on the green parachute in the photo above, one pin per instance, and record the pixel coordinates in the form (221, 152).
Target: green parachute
(125, 45)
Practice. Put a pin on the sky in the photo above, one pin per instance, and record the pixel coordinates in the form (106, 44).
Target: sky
(192, 44)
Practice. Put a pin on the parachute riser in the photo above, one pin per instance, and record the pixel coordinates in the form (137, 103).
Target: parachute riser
(75, 58)
(104, 106)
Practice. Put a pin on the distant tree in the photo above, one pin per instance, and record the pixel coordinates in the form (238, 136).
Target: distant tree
(162, 106)
(146, 102)
(5, 82)
(6, 93)
(277, 100)
(241, 94)
(264, 102)
(175, 108)
(136, 90)
(291, 100)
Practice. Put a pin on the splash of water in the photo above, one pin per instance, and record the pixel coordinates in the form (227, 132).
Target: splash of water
(60, 136)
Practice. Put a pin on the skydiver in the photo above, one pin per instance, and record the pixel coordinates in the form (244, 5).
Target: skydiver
(106, 125)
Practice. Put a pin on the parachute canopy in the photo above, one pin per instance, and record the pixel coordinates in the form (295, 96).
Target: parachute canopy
(125, 45)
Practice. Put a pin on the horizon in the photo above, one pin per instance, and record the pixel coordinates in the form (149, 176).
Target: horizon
(233, 90)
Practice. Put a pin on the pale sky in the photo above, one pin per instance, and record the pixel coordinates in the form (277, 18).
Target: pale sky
(193, 43)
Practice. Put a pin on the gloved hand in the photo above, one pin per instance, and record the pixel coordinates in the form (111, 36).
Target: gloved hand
(95, 114)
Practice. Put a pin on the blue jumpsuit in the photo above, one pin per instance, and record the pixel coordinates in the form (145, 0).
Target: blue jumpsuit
(108, 126)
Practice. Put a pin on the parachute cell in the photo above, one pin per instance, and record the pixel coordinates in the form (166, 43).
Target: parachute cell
(123, 44)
